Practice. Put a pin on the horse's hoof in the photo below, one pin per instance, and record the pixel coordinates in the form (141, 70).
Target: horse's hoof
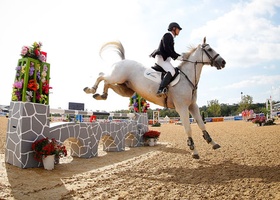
(86, 90)
(99, 97)
(216, 146)
(195, 156)
(104, 96)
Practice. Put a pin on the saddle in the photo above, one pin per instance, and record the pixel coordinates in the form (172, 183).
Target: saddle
(159, 69)
(163, 72)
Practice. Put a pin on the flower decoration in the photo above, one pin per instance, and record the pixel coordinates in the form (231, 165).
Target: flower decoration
(18, 84)
(29, 96)
(32, 77)
(45, 147)
(24, 51)
(138, 104)
(46, 87)
(151, 134)
(259, 120)
(144, 105)
(16, 95)
(32, 85)
(33, 51)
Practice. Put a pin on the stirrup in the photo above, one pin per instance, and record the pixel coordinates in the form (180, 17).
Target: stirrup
(161, 92)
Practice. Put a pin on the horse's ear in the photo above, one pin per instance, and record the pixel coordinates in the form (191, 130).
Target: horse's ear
(204, 40)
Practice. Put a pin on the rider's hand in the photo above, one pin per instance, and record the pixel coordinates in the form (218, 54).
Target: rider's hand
(180, 58)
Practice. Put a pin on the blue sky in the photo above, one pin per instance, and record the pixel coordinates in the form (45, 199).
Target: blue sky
(245, 33)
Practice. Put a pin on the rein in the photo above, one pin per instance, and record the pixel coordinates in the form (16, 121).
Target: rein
(195, 84)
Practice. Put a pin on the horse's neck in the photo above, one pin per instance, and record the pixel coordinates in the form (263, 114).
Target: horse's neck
(193, 71)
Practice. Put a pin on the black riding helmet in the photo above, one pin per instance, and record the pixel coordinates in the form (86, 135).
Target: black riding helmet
(174, 24)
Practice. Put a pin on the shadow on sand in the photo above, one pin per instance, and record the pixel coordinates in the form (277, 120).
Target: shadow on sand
(36, 183)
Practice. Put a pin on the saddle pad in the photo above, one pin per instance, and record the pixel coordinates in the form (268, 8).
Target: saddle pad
(155, 76)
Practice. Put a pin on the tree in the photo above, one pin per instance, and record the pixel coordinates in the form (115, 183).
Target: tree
(245, 103)
(225, 110)
(214, 108)
(168, 112)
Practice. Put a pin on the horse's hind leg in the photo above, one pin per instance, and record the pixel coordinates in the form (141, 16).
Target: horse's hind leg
(105, 92)
(194, 110)
(120, 89)
(95, 86)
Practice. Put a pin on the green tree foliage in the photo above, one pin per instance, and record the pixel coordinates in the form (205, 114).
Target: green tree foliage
(245, 103)
(258, 107)
(214, 108)
(168, 112)
(163, 113)
(229, 110)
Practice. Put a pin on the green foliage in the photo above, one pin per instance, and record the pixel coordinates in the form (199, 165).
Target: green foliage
(214, 108)
(245, 103)
(157, 124)
(168, 112)
(258, 107)
(150, 113)
(269, 122)
(264, 111)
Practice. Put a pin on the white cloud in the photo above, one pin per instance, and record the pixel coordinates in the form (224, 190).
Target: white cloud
(255, 81)
(73, 31)
(245, 36)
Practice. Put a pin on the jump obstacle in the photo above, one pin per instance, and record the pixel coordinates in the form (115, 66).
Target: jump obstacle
(29, 122)
(29, 119)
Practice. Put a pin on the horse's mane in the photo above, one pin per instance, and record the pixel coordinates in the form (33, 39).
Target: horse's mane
(186, 55)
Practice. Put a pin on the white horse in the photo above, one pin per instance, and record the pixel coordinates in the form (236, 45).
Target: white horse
(127, 77)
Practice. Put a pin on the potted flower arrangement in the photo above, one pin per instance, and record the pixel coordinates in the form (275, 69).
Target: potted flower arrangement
(32, 78)
(34, 51)
(151, 137)
(48, 149)
(260, 120)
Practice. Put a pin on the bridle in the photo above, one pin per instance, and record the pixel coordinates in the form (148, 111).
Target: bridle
(212, 60)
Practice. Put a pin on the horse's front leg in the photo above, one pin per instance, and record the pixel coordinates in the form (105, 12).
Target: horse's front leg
(93, 89)
(194, 110)
(185, 119)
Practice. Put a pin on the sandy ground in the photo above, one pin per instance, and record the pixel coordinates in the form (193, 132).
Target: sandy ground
(246, 167)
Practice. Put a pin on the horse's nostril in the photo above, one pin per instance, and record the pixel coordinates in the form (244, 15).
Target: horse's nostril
(224, 62)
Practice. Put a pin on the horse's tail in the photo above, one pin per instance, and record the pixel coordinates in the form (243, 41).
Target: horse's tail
(116, 46)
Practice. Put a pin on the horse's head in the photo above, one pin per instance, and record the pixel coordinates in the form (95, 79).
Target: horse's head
(214, 58)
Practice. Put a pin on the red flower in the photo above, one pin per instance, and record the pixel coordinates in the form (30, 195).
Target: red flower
(46, 87)
(45, 147)
(32, 85)
(151, 134)
(259, 119)
(37, 52)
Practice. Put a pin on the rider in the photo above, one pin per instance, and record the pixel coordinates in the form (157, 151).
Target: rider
(164, 53)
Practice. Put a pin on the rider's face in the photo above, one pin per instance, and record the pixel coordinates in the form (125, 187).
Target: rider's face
(177, 31)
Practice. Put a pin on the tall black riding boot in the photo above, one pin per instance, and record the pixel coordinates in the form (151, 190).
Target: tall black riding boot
(165, 81)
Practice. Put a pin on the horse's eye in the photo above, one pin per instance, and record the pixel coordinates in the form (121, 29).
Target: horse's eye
(210, 49)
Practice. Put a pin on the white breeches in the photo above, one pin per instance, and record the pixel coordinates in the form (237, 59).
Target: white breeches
(166, 65)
